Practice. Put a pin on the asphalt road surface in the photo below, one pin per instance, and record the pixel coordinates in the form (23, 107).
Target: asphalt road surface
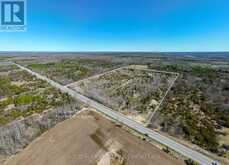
(187, 152)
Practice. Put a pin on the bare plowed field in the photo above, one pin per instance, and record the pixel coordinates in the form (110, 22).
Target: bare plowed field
(90, 139)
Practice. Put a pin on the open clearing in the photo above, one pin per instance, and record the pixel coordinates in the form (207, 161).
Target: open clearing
(90, 139)
(133, 92)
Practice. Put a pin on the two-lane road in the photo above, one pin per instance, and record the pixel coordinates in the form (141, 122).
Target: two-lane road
(192, 154)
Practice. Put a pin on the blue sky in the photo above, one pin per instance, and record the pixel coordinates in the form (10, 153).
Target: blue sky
(122, 25)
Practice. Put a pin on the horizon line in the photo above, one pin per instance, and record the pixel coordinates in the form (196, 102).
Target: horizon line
(101, 51)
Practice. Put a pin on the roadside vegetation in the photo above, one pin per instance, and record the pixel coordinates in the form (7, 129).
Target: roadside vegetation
(198, 106)
(6, 68)
(22, 95)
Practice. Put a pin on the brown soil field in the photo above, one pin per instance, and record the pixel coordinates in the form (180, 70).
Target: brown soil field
(90, 139)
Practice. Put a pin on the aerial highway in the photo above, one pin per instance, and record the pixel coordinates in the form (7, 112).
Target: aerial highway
(183, 150)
